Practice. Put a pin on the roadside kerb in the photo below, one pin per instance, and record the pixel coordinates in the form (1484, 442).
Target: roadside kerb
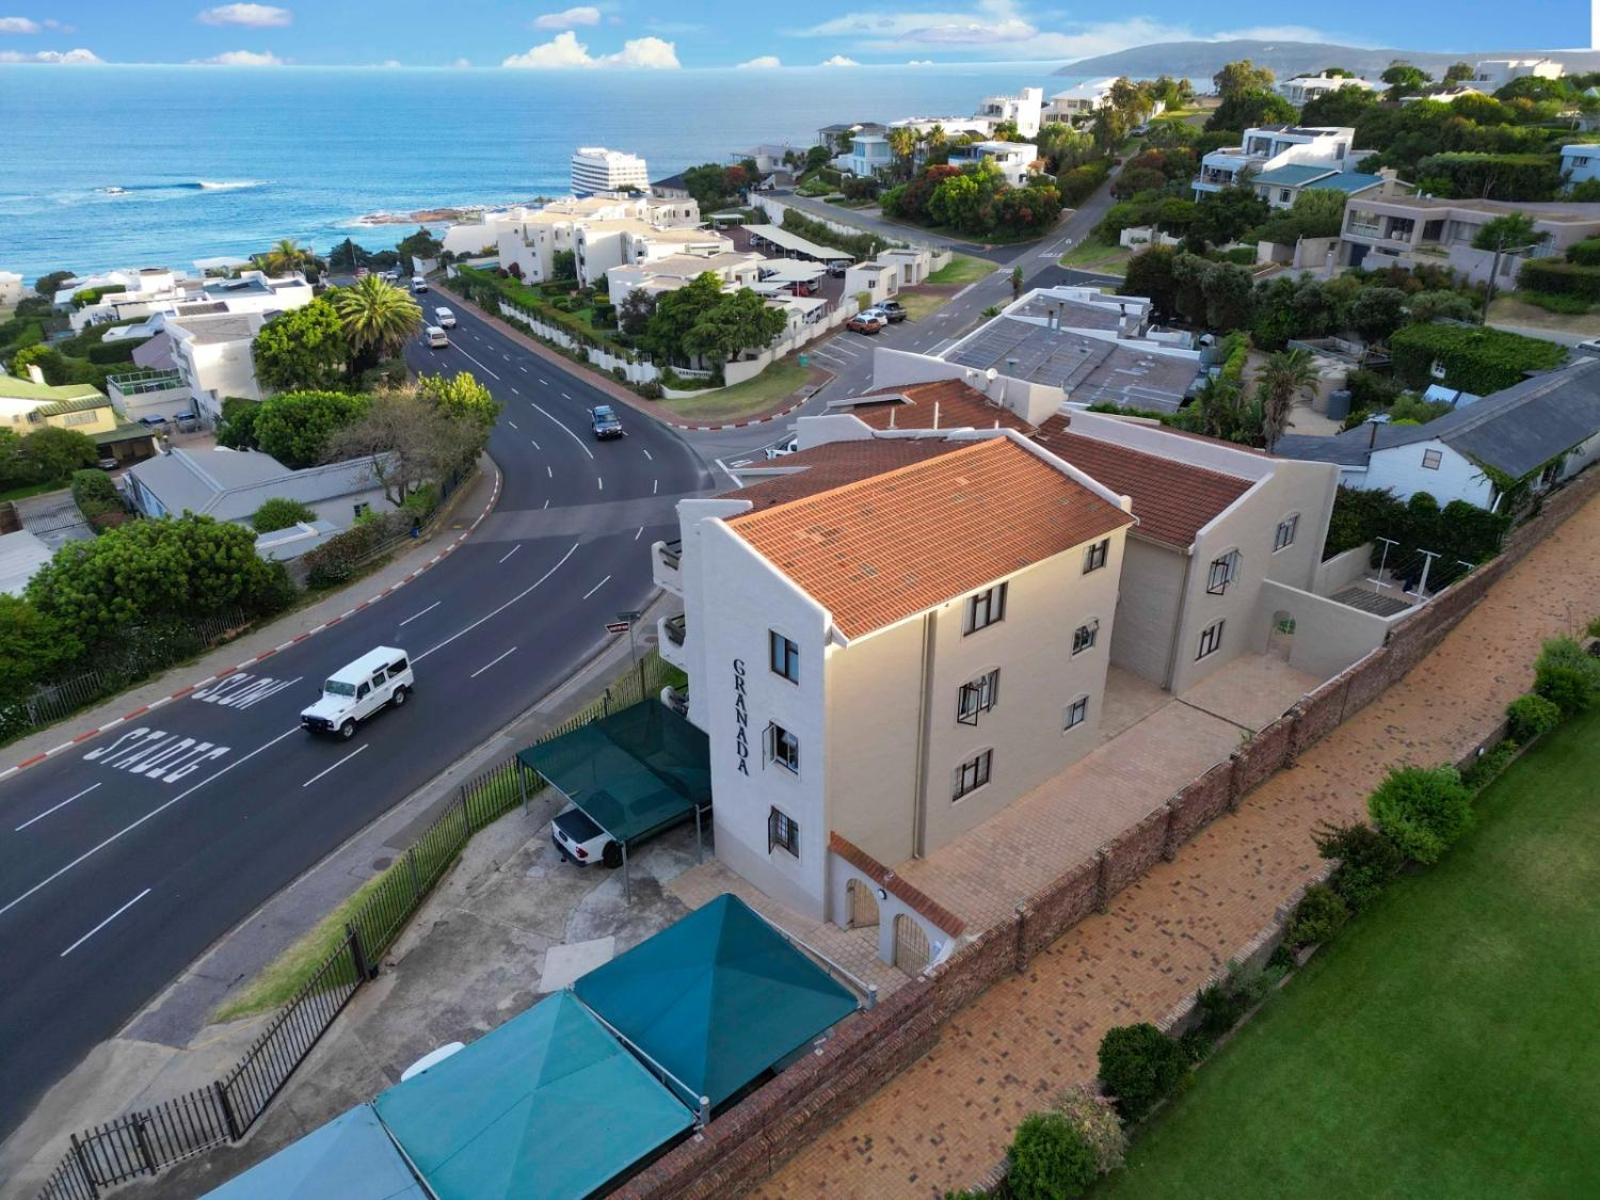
(246, 664)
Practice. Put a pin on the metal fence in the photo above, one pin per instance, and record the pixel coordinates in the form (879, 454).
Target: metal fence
(145, 1142)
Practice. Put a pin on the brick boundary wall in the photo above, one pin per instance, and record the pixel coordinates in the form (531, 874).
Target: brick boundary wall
(745, 1145)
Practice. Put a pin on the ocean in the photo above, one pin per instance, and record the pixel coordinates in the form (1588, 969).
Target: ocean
(217, 162)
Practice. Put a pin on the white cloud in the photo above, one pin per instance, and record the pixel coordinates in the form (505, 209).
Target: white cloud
(764, 62)
(18, 25)
(461, 64)
(241, 58)
(584, 14)
(566, 51)
(1283, 33)
(251, 16)
(71, 58)
(391, 63)
(839, 60)
(920, 62)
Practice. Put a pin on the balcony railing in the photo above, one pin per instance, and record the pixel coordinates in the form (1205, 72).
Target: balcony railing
(675, 628)
(1364, 229)
(139, 383)
(671, 554)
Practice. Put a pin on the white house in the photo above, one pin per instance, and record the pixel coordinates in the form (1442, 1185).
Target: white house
(734, 268)
(527, 240)
(1580, 163)
(1266, 147)
(1082, 100)
(1492, 74)
(869, 154)
(193, 363)
(11, 289)
(597, 169)
(1282, 186)
(1308, 87)
(768, 156)
(158, 290)
(1025, 110)
(1014, 159)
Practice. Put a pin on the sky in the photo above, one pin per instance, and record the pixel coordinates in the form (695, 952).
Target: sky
(751, 35)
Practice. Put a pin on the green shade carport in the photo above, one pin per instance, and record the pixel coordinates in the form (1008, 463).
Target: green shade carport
(350, 1157)
(547, 1107)
(717, 998)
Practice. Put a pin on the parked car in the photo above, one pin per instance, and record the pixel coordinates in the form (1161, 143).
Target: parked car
(444, 318)
(418, 284)
(783, 449)
(605, 422)
(580, 840)
(438, 339)
(838, 267)
(866, 322)
(355, 691)
(893, 311)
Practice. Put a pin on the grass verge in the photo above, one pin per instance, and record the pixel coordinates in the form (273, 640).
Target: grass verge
(963, 268)
(742, 400)
(1437, 1047)
(33, 489)
(1097, 256)
(1511, 310)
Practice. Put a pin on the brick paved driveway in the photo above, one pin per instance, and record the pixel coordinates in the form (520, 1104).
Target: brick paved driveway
(944, 1122)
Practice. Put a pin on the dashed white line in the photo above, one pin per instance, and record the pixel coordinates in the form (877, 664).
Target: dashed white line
(514, 392)
(53, 807)
(335, 766)
(527, 591)
(513, 425)
(423, 613)
(106, 922)
(547, 501)
(597, 587)
(647, 454)
(549, 470)
(485, 369)
(487, 665)
(569, 432)
(601, 480)
(636, 536)
(535, 442)
(654, 484)
(523, 369)
(564, 396)
(511, 551)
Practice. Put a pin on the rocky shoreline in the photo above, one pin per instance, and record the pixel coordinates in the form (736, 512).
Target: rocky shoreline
(435, 216)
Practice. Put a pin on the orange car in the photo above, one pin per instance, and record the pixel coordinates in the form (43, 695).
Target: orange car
(863, 323)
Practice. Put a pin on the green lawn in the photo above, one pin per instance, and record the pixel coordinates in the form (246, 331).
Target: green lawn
(962, 269)
(1095, 255)
(742, 399)
(1511, 309)
(1442, 1047)
(34, 489)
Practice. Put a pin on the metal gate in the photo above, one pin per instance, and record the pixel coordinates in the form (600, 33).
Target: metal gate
(910, 945)
(863, 906)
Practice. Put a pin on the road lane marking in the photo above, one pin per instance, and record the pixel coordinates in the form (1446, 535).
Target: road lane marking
(513, 425)
(157, 754)
(511, 551)
(636, 536)
(481, 366)
(514, 392)
(654, 484)
(335, 766)
(564, 396)
(159, 809)
(597, 587)
(601, 480)
(536, 445)
(523, 369)
(423, 613)
(647, 454)
(569, 432)
(573, 549)
(487, 665)
(53, 807)
(242, 690)
(549, 470)
(106, 922)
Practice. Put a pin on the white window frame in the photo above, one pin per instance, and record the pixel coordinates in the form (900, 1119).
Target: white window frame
(977, 697)
(1077, 713)
(1211, 639)
(1089, 632)
(1224, 569)
(981, 766)
(1438, 460)
(778, 739)
(991, 603)
(1287, 529)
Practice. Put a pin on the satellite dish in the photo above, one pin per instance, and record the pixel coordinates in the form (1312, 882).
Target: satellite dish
(991, 374)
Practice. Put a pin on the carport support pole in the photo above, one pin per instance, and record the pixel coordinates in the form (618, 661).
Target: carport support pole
(522, 780)
(627, 882)
(699, 843)
(705, 1111)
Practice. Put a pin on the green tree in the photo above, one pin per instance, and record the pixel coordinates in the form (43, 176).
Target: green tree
(48, 285)
(287, 257)
(1377, 312)
(347, 256)
(1285, 375)
(1405, 80)
(902, 144)
(1459, 72)
(1140, 1066)
(56, 453)
(33, 647)
(295, 427)
(237, 429)
(633, 314)
(409, 440)
(1248, 108)
(564, 265)
(1237, 78)
(707, 184)
(1149, 274)
(1510, 231)
(1226, 216)
(1423, 810)
(280, 513)
(1342, 106)
(1016, 283)
(462, 398)
(377, 319)
(1049, 1160)
(304, 348)
(421, 244)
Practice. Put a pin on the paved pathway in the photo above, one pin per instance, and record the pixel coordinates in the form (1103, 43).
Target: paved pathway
(945, 1122)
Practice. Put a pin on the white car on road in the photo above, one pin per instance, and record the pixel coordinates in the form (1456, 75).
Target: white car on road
(444, 318)
(354, 692)
(438, 339)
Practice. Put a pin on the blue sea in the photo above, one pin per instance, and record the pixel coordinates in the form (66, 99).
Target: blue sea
(217, 162)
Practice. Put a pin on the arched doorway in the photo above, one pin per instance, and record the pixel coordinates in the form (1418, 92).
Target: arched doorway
(1280, 639)
(862, 909)
(910, 945)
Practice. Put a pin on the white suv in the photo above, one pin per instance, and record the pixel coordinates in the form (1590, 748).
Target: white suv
(354, 692)
(444, 318)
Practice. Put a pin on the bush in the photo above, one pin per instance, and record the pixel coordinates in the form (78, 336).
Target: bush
(1585, 253)
(280, 513)
(1572, 306)
(1489, 764)
(1560, 279)
(1049, 1160)
(1423, 810)
(97, 498)
(1140, 1066)
(1530, 716)
(1367, 861)
(1320, 914)
(1223, 1004)
(1566, 675)
(1078, 184)
(341, 556)
(1096, 1122)
(1474, 358)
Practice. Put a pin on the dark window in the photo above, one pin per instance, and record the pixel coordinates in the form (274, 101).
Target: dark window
(976, 697)
(1210, 640)
(1095, 556)
(1078, 711)
(785, 656)
(973, 774)
(1223, 571)
(1287, 528)
(1085, 636)
(986, 608)
(783, 748)
(782, 831)
(1431, 459)
(397, 666)
(363, 691)
(378, 678)
(362, 507)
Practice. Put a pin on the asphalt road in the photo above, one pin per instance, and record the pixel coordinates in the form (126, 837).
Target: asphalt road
(121, 862)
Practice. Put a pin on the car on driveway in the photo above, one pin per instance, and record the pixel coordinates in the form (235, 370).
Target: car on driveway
(892, 310)
(444, 318)
(605, 422)
(866, 322)
(783, 449)
(581, 841)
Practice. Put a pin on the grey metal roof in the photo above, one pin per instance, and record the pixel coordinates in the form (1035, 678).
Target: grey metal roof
(1294, 175)
(211, 329)
(230, 485)
(21, 554)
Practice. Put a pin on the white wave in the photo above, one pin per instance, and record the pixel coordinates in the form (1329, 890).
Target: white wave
(229, 185)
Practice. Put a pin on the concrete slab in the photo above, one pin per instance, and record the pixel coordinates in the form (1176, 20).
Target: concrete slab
(563, 965)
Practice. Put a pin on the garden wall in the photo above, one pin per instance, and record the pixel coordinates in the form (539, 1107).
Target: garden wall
(744, 1146)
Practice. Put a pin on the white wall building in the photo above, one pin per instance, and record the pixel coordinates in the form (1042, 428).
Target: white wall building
(1492, 74)
(11, 289)
(528, 239)
(597, 169)
(1267, 147)
(1026, 109)
(1308, 87)
(734, 268)
(1083, 100)
(160, 291)
(869, 154)
(1014, 159)
(1580, 163)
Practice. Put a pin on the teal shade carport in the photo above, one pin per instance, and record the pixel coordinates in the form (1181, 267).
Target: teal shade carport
(717, 998)
(350, 1157)
(547, 1107)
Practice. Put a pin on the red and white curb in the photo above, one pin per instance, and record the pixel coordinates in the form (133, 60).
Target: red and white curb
(777, 416)
(90, 734)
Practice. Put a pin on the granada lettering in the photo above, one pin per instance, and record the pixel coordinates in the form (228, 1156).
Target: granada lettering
(741, 717)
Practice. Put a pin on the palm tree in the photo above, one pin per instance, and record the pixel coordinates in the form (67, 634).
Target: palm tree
(377, 317)
(1287, 374)
(936, 138)
(902, 144)
(287, 257)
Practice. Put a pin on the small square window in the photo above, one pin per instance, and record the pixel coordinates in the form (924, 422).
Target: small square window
(783, 748)
(1287, 528)
(1210, 640)
(362, 507)
(1085, 636)
(973, 774)
(986, 608)
(1223, 571)
(977, 697)
(785, 656)
(1077, 712)
(1431, 459)
(783, 832)
(1095, 556)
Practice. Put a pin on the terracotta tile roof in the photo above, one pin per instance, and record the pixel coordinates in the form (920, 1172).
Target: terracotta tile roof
(915, 898)
(960, 406)
(883, 548)
(838, 463)
(1173, 500)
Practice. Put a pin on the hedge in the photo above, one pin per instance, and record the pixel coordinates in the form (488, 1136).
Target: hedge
(1585, 253)
(341, 556)
(1475, 358)
(1081, 182)
(1560, 278)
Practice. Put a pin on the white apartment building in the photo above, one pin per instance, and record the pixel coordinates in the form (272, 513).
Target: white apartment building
(869, 154)
(734, 268)
(892, 638)
(195, 359)
(1025, 109)
(1492, 74)
(597, 169)
(1308, 87)
(1267, 147)
(157, 290)
(1580, 163)
(1082, 100)
(529, 239)
(1014, 159)
(601, 245)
